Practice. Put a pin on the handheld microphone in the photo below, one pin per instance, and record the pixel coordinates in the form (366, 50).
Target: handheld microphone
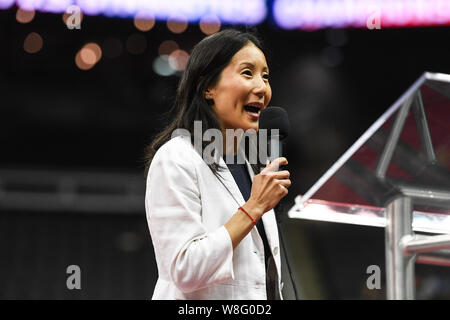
(271, 119)
(275, 121)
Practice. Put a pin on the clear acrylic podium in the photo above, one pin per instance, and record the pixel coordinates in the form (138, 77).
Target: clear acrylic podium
(396, 176)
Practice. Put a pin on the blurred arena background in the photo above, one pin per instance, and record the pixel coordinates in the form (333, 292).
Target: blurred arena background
(78, 106)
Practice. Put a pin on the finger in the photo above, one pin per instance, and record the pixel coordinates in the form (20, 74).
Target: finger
(285, 183)
(284, 190)
(284, 174)
(277, 163)
(264, 171)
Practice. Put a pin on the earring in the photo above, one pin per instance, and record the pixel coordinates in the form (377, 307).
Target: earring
(208, 96)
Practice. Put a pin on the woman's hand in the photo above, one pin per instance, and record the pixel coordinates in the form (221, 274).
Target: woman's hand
(268, 188)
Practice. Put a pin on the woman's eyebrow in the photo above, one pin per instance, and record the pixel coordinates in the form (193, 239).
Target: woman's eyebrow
(252, 65)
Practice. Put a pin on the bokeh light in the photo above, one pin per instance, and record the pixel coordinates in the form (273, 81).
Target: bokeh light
(178, 60)
(29, 4)
(161, 66)
(66, 16)
(95, 48)
(80, 62)
(248, 12)
(33, 43)
(5, 4)
(209, 24)
(167, 47)
(144, 21)
(136, 43)
(24, 16)
(177, 24)
(88, 56)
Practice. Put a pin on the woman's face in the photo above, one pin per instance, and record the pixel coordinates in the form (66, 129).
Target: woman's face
(243, 89)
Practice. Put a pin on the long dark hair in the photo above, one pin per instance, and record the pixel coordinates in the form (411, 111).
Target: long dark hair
(206, 62)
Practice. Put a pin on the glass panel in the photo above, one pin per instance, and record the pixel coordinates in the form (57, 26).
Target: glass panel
(406, 151)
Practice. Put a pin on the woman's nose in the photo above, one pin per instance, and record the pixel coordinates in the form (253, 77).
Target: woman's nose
(261, 87)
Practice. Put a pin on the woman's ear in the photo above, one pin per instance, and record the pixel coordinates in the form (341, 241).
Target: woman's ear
(208, 95)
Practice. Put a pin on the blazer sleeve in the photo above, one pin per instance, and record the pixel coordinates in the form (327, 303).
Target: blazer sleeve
(191, 256)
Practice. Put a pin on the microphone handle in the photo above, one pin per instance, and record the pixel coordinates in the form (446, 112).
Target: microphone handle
(275, 149)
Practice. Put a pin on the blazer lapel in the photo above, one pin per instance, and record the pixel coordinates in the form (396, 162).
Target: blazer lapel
(271, 228)
(269, 221)
(229, 183)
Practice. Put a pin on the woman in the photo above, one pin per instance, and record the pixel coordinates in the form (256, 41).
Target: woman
(202, 216)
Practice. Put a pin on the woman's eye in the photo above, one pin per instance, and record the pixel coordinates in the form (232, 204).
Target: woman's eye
(249, 73)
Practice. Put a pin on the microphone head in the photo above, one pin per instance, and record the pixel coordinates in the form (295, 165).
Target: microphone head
(274, 118)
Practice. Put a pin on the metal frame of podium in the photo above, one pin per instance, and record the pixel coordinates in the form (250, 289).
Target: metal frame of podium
(403, 247)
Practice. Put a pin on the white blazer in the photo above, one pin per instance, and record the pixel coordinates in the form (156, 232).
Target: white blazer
(187, 207)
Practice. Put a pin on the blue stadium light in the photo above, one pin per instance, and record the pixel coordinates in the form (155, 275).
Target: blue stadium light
(249, 12)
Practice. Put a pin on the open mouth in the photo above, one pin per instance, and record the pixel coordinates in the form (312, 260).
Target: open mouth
(252, 109)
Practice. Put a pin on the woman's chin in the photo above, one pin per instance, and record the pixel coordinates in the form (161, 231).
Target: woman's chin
(250, 126)
(245, 125)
